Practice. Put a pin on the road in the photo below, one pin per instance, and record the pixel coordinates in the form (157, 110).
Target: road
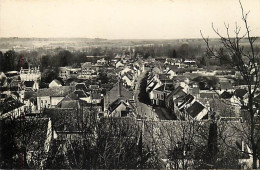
(147, 111)
(144, 110)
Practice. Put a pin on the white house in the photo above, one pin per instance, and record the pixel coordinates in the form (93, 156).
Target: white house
(120, 108)
(119, 64)
(55, 83)
(128, 79)
(171, 74)
(50, 97)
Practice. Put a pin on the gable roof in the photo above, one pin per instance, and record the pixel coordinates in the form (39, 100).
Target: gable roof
(178, 92)
(81, 93)
(57, 82)
(117, 89)
(82, 86)
(164, 88)
(187, 99)
(152, 87)
(71, 96)
(240, 93)
(115, 104)
(129, 75)
(195, 109)
(226, 95)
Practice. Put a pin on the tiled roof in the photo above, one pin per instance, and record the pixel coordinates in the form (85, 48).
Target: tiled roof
(81, 93)
(68, 104)
(55, 91)
(115, 104)
(208, 95)
(113, 93)
(226, 95)
(163, 88)
(225, 86)
(96, 95)
(178, 92)
(240, 93)
(152, 87)
(129, 75)
(163, 76)
(187, 99)
(71, 96)
(64, 119)
(29, 94)
(195, 109)
(81, 86)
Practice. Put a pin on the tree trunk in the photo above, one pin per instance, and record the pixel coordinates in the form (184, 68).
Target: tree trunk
(254, 159)
(252, 130)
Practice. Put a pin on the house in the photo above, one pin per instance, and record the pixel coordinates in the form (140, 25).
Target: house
(55, 83)
(101, 61)
(119, 64)
(96, 97)
(90, 95)
(30, 101)
(125, 70)
(50, 97)
(225, 86)
(128, 79)
(117, 91)
(171, 73)
(158, 95)
(240, 97)
(192, 108)
(30, 74)
(64, 73)
(88, 71)
(121, 108)
(190, 63)
(175, 98)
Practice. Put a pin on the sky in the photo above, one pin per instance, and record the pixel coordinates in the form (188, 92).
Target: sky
(123, 19)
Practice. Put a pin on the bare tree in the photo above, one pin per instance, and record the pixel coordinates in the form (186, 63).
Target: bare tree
(246, 61)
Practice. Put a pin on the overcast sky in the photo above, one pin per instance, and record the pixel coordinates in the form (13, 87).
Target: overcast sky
(122, 19)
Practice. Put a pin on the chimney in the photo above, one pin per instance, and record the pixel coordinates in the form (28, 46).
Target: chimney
(243, 146)
(119, 88)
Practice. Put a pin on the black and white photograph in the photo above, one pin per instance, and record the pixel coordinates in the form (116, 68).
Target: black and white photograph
(129, 84)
